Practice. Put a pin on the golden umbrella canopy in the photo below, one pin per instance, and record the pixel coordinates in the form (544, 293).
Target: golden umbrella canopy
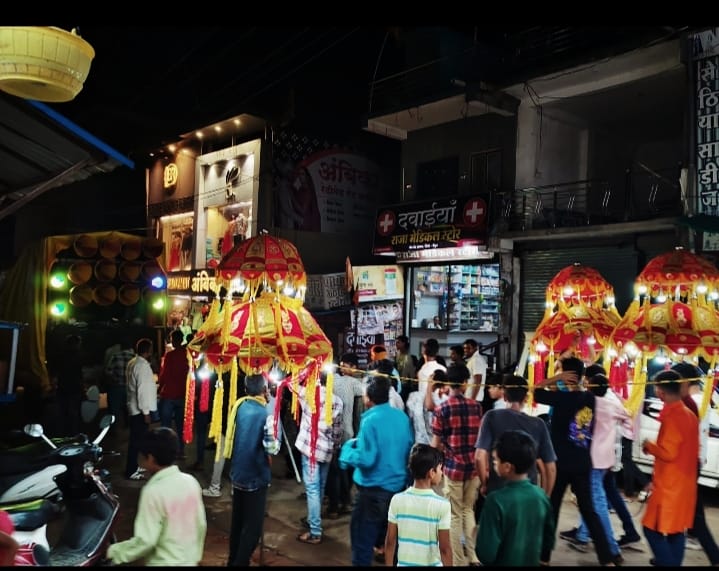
(263, 261)
(679, 274)
(263, 332)
(673, 316)
(580, 284)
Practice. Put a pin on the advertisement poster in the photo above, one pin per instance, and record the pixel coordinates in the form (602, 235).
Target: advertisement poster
(321, 189)
(376, 318)
(360, 344)
(177, 234)
(379, 282)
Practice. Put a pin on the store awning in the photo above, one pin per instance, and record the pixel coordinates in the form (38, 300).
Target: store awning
(40, 149)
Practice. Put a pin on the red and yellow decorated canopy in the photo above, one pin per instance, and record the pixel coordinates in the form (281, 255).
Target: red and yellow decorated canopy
(577, 284)
(263, 260)
(268, 330)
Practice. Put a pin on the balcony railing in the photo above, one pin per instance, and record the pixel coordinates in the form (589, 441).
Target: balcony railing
(644, 194)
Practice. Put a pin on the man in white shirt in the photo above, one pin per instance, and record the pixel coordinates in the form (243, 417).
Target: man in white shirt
(477, 365)
(430, 348)
(141, 400)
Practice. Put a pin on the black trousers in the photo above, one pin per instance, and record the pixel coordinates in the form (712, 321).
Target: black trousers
(138, 428)
(631, 474)
(248, 516)
(579, 480)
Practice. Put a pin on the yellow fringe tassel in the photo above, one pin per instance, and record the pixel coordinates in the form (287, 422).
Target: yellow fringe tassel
(230, 434)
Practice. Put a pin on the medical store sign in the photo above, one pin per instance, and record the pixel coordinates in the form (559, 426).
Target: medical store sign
(443, 223)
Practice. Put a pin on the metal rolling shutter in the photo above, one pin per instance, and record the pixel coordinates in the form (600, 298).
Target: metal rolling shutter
(617, 265)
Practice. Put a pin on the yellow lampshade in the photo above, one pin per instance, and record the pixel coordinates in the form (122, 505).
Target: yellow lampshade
(43, 63)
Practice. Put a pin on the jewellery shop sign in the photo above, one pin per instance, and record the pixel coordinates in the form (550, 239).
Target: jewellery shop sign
(200, 282)
(443, 223)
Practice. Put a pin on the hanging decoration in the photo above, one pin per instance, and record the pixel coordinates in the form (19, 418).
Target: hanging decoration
(263, 262)
(257, 324)
(580, 315)
(672, 318)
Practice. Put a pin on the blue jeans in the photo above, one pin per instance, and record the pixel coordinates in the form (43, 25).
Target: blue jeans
(315, 478)
(617, 502)
(173, 409)
(668, 549)
(369, 514)
(599, 502)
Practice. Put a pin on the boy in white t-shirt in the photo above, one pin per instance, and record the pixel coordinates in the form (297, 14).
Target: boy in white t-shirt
(418, 518)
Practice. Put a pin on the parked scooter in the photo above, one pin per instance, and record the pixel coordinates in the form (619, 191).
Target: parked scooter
(90, 509)
(28, 471)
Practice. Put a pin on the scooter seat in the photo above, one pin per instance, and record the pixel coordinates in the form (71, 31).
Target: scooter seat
(17, 463)
(28, 516)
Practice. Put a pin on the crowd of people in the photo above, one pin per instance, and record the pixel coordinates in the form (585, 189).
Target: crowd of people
(435, 463)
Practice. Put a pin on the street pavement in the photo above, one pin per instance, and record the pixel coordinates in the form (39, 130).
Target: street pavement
(286, 507)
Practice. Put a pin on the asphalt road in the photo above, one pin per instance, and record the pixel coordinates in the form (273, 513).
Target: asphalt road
(285, 508)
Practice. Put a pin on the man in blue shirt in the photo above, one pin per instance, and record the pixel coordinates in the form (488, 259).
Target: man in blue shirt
(250, 440)
(379, 455)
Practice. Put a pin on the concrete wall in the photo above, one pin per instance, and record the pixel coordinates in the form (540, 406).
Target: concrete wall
(552, 147)
(460, 138)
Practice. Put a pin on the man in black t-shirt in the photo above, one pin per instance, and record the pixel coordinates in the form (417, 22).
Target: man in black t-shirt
(571, 432)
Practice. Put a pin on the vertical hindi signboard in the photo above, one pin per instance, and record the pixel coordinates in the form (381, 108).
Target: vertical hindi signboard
(706, 88)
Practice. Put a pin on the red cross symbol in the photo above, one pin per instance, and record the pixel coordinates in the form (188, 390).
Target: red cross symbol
(475, 212)
(385, 223)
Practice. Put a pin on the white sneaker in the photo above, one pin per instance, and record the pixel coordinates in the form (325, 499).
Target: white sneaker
(693, 544)
(211, 492)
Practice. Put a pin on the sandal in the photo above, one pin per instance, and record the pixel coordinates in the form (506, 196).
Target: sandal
(307, 537)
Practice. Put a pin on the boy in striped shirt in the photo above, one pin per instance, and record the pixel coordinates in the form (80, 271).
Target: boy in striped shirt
(419, 519)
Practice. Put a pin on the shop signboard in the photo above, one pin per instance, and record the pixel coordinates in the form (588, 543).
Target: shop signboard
(201, 282)
(379, 282)
(321, 187)
(443, 223)
(326, 291)
(706, 91)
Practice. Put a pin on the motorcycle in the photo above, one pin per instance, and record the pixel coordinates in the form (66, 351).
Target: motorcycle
(89, 509)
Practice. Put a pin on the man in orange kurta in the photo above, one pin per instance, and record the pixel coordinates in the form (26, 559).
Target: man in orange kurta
(670, 508)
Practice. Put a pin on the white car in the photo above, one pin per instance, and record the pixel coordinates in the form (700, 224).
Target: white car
(649, 428)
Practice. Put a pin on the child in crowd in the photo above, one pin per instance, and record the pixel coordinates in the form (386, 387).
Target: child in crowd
(517, 520)
(419, 519)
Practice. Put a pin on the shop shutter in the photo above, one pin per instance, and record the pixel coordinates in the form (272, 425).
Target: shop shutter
(619, 266)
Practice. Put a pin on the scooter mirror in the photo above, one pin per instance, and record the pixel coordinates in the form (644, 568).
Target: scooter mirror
(105, 423)
(34, 430)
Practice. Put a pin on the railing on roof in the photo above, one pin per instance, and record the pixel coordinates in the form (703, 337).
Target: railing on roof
(644, 194)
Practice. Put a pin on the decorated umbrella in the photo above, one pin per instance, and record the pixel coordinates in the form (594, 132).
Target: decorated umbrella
(263, 332)
(263, 261)
(579, 284)
(579, 314)
(673, 317)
